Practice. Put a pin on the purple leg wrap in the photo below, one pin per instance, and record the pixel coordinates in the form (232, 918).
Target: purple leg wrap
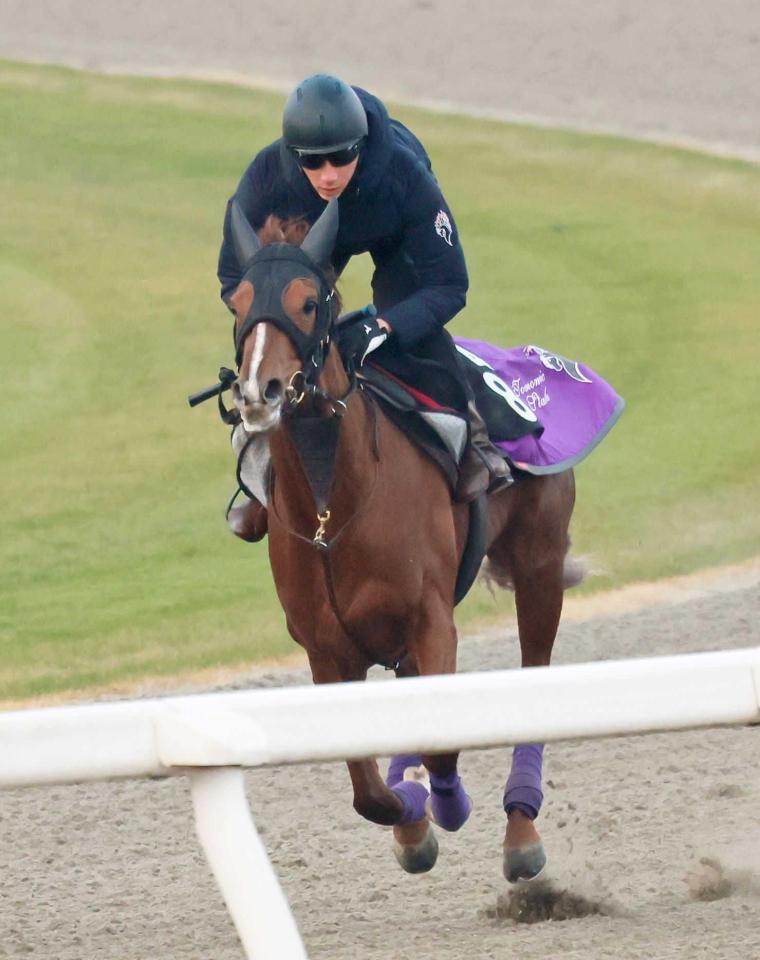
(523, 790)
(450, 804)
(399, 764)
(414, 797)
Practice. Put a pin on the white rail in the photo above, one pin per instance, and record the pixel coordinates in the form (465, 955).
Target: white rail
(300, 724)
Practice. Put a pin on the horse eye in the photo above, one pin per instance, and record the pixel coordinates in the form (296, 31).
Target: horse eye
(310, 306)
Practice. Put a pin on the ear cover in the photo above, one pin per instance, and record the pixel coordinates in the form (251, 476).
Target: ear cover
(320, 240)
(244, 238)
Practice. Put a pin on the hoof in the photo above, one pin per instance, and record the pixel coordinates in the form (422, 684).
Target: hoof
(524, 863)
(417, 857)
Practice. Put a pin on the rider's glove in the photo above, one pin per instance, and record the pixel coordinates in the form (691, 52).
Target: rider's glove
(359, 340)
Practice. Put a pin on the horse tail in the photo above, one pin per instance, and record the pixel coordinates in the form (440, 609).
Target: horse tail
(574, 571)
(494, 574)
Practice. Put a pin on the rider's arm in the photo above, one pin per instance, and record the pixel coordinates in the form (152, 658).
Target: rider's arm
(431, 245)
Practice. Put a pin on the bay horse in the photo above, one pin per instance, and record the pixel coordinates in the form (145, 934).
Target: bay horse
(374, 582)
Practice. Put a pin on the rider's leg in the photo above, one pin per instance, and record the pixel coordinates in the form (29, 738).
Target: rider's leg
(482, 467)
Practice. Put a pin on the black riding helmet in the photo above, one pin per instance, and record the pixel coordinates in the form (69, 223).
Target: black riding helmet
(323, 114)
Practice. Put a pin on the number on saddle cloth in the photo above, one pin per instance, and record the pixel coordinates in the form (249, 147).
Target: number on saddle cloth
(507, 417)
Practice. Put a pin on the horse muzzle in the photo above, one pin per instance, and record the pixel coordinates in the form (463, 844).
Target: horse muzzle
(260, 408)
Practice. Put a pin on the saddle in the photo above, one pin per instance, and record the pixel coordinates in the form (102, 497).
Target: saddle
(439, 430)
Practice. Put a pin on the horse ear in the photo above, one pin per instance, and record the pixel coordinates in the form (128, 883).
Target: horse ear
(320, 240)
(244, 238)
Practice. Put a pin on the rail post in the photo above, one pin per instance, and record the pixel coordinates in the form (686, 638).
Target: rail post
(240, 864)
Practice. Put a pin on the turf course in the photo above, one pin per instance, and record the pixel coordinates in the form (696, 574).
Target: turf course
(641, 261)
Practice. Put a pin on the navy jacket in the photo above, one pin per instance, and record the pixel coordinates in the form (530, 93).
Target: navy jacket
(392, 208)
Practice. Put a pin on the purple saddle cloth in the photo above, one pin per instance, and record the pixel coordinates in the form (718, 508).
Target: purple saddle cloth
(573, 404)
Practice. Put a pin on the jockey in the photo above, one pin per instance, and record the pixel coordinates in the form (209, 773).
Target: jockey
(338, 141)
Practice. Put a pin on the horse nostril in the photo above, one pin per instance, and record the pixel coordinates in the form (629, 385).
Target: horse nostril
(237, 393)
(273, 391)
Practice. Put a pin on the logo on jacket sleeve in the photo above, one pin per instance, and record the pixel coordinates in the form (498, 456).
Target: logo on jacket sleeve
(443, 226)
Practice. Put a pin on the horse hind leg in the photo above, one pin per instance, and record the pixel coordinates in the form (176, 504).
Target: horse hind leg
(496, 574)
(538, 598)
(532, 556)
(524, 854)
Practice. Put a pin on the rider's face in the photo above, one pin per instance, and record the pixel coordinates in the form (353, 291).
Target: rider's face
(329, 181)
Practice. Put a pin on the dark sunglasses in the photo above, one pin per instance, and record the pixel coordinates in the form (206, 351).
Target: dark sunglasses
(338, 158)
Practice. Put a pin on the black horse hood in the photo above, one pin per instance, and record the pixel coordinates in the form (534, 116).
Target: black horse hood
(373, 159)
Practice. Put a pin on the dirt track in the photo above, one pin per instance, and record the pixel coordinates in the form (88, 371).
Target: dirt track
(113, 871)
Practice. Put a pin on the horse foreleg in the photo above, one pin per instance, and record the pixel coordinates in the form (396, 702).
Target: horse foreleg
(404, 805)
(434, 652)
(414, 844)
(373, 799)
(402, 761)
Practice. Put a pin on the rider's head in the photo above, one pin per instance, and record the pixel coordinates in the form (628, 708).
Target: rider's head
(324, 124)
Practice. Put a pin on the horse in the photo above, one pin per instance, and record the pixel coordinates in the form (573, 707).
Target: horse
(365, 541)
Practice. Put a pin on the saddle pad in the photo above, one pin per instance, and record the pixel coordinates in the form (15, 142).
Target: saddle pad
(575, 406)
(399, 399)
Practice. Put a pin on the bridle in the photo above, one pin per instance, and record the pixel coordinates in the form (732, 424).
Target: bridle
(270, 270)
(314, 435)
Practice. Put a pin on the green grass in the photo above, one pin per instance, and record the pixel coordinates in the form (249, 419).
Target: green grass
(640, 260)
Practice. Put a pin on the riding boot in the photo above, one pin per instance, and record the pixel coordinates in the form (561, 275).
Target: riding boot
(482, 468)
(249, 521)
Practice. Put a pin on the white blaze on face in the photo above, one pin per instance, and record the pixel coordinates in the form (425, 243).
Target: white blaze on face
(252, 386)
(258, 415)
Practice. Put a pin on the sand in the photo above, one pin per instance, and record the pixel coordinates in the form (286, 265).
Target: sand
(654, 841)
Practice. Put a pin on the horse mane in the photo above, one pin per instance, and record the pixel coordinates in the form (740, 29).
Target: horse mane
(283, 230)
(293, 230)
